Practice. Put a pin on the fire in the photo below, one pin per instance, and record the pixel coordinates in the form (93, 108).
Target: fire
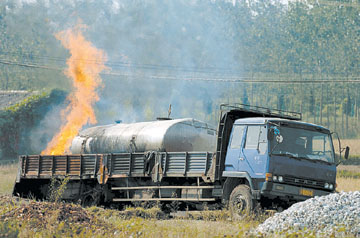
(84, 66)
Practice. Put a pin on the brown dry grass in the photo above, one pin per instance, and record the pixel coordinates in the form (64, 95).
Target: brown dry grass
(7, 178)
(351, 168)
(109, 223)
(348, 184)
(45, 219)
(354, 145)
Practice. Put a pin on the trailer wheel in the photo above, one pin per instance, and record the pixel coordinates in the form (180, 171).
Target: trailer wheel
(240, 202)
(91, 198)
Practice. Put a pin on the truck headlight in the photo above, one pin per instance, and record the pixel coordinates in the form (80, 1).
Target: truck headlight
(281, 179)
(331, 186)
(326, 185)
(275, 178)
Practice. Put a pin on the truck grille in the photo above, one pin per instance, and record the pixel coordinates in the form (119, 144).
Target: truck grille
(304, 182)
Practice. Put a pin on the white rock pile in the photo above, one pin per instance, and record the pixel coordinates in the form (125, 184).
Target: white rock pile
(337, 213)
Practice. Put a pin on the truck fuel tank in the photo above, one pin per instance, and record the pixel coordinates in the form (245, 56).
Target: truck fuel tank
(164, 135)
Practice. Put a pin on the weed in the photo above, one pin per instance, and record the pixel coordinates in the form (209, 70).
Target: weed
(57, 189)
(9, 229)
(348, 174)
(174, 205)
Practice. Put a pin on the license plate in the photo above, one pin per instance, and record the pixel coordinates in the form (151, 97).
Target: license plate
(278, 187)
(307, 192)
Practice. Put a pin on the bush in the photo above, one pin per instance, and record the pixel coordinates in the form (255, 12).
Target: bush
(16, 121)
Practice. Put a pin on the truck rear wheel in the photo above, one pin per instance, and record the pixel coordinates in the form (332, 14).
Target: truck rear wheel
(240, 202)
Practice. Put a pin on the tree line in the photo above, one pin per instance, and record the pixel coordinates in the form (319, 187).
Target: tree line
(313, 46)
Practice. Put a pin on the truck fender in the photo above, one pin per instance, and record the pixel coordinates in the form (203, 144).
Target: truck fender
(234, 178)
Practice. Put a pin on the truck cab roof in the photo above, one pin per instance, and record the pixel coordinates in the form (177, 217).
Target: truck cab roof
(264, 120)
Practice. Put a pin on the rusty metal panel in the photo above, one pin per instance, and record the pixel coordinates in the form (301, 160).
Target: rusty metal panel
(32, 165)
(46, 165)
(88, 164)
(173, 164)
(61, 165)
(74, 165)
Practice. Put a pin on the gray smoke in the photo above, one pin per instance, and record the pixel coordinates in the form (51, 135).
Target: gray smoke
(154, 49)
(47, 128)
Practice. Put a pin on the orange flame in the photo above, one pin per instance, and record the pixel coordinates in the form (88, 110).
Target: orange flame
(84, 66)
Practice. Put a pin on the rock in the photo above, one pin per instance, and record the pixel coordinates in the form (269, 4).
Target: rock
(326, 215)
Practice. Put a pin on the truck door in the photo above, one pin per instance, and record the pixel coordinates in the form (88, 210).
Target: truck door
(234, 148)
(253, 156)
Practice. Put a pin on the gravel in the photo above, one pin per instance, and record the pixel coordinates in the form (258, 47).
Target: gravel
(337, 214)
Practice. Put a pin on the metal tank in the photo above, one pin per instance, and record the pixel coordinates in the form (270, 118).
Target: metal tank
(164, 135)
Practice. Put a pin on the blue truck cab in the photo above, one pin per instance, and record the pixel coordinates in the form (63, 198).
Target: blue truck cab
(275, 159)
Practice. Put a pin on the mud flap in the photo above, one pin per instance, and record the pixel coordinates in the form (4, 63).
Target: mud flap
(103, 175)
(157, 172)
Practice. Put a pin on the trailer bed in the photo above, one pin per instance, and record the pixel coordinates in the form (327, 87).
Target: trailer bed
(110, 166)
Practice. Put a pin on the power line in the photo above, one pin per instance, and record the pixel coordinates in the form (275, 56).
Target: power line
(128, 65)
(241, 79)
(238, 79)
(29, 65)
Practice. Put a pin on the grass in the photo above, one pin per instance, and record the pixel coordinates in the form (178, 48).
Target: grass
(27, 218)
(348, 184)
(45, 219)
(349, 168)
(348, 178)
(7, 178)
(354, 145)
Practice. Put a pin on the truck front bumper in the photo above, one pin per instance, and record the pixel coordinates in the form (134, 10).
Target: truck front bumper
(290, 192)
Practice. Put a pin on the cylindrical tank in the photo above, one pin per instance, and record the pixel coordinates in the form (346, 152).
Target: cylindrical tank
(164, 135)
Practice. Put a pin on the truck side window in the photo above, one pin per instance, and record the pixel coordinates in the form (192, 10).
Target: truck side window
(237, 135)
(263, 140)
(252, 137)
(256, 138)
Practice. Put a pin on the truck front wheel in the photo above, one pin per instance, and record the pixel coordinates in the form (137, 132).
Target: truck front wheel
(240, 202)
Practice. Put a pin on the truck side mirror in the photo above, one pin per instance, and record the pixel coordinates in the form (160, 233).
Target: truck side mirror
(347, 150)
(279, 139)
(275, 132)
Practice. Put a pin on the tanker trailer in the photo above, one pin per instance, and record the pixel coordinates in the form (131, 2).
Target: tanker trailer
(115, 149)
(163, 135)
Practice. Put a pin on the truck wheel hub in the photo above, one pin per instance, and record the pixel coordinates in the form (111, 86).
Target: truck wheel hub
(240, 203)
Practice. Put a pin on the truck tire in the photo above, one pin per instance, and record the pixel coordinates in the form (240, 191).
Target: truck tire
(240, 202)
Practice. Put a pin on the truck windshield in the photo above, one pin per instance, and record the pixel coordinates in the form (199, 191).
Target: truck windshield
(302, 143)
